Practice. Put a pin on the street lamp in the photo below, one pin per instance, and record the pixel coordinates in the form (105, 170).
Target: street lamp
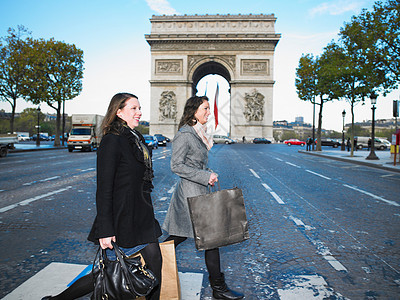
(343, 146)
(372, 155)
(38, 127)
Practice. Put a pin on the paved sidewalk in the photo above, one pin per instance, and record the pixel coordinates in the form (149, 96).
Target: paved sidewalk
(385, 161)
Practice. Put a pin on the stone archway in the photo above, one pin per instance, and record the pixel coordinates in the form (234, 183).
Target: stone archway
(240, 48)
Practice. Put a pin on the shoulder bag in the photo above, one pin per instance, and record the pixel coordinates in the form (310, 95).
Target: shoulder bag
(121, 279)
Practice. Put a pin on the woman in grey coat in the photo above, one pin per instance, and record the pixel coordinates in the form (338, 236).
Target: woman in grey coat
(189, 160)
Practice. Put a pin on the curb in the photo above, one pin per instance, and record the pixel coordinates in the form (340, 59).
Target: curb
(357, 162)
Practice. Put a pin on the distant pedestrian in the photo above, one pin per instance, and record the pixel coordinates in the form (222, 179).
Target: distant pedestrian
(309, 142)
(348, 144)
(355, 144)
(369, 144)
(244, 139)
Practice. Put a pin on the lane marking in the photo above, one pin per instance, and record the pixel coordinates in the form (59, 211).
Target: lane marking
(289, 163)
(90, 169)
(162, 157)
(277, 198)
(318, 174)
(30, 200)
(387, 175)
(254, 173)
(372, 195)
(278, 159)
(327, 255)
(50, 178)
(267, 187)
(299, 222)
(163, 198)
(171, 190)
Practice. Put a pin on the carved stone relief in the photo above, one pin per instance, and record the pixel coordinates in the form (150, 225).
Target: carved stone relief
(254, 106)
(167, 106)
(254, 67)
(222, 46)
(172, 66)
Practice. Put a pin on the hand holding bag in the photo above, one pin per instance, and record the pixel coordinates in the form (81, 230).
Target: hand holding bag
(218, 218)
(122, 279)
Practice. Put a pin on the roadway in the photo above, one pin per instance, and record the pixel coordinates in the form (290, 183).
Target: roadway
(318, 227)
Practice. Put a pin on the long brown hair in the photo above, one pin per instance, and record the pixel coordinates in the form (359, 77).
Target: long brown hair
(191, 106)
(112, 123)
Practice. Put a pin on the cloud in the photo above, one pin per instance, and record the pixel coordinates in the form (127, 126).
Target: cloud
(161, 6)
(335, 8)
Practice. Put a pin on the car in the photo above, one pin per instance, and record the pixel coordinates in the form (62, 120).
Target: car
(362, 142)
(151, 141)
(222, 139)
(329, 142)
(42, 137)
(157, 135)
(23, 138)
(261, 141)
(162, 140)
(294, 142)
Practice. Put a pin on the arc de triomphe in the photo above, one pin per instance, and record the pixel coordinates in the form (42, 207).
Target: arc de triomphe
(240, 48)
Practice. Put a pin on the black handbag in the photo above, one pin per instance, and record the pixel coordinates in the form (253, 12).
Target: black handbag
(120, 279)
(218, 218)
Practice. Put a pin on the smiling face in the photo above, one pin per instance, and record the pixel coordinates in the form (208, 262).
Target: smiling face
(203, 112)
(131, 112)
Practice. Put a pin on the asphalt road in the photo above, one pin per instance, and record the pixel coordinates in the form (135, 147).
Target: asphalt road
(318, 225)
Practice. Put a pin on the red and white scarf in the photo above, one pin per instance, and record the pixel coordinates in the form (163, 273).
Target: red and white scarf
(201, 130)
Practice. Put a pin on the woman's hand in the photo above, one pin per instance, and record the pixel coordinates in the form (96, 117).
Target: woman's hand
(106, 242)
(213, 179)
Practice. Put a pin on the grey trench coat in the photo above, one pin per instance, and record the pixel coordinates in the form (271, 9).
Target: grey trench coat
(189, 161)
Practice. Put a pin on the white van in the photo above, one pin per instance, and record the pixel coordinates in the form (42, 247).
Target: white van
(362, 142)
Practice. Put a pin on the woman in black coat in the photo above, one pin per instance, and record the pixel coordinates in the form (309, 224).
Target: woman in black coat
(125, 212)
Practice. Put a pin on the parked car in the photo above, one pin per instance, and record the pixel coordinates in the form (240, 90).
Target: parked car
(42, 137)
(222, 139)
(362, 142)
(157, 135)
(294, 142)
(162, 140)
(329, 142)
(261, 141)
(22, 138)
(151, 141)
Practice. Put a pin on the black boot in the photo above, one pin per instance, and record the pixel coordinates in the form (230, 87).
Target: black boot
(221, 290)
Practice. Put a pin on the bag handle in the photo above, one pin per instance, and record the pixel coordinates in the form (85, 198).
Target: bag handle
(213, 188)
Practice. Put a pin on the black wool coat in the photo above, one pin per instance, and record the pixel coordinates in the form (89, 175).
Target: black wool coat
(123, 201)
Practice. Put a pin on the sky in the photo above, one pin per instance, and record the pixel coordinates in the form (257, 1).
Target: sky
(117, 56)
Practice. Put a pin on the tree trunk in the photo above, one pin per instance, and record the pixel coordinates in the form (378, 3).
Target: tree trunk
(58, 123)
(319, 125)
(13, 107)
(352, 128)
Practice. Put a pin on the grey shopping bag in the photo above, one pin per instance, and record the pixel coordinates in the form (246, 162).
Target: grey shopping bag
(218, 218)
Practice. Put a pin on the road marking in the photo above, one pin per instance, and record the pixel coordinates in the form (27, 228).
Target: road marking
(267, 187)
(372, 195)
(306, 287)
(299, 222)
(273, 194)
(387, 175)
(254, 173)
(30, 200)
(50, 178)
(277, 198)
(56, 277)
(327, 255)
(162, 157)
(278, 159)
(90, 169)
(318, 174)
(172, 189)
(289, 163)
(163, 198)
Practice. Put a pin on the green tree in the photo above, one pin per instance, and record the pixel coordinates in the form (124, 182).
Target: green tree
(376, 37)
(14, 51)
(313, 83)
(55, 75)
(28, 120)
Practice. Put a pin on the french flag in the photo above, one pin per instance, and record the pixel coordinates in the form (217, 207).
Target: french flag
(216, 107)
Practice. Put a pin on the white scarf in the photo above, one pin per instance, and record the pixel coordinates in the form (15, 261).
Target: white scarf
(201, 130)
